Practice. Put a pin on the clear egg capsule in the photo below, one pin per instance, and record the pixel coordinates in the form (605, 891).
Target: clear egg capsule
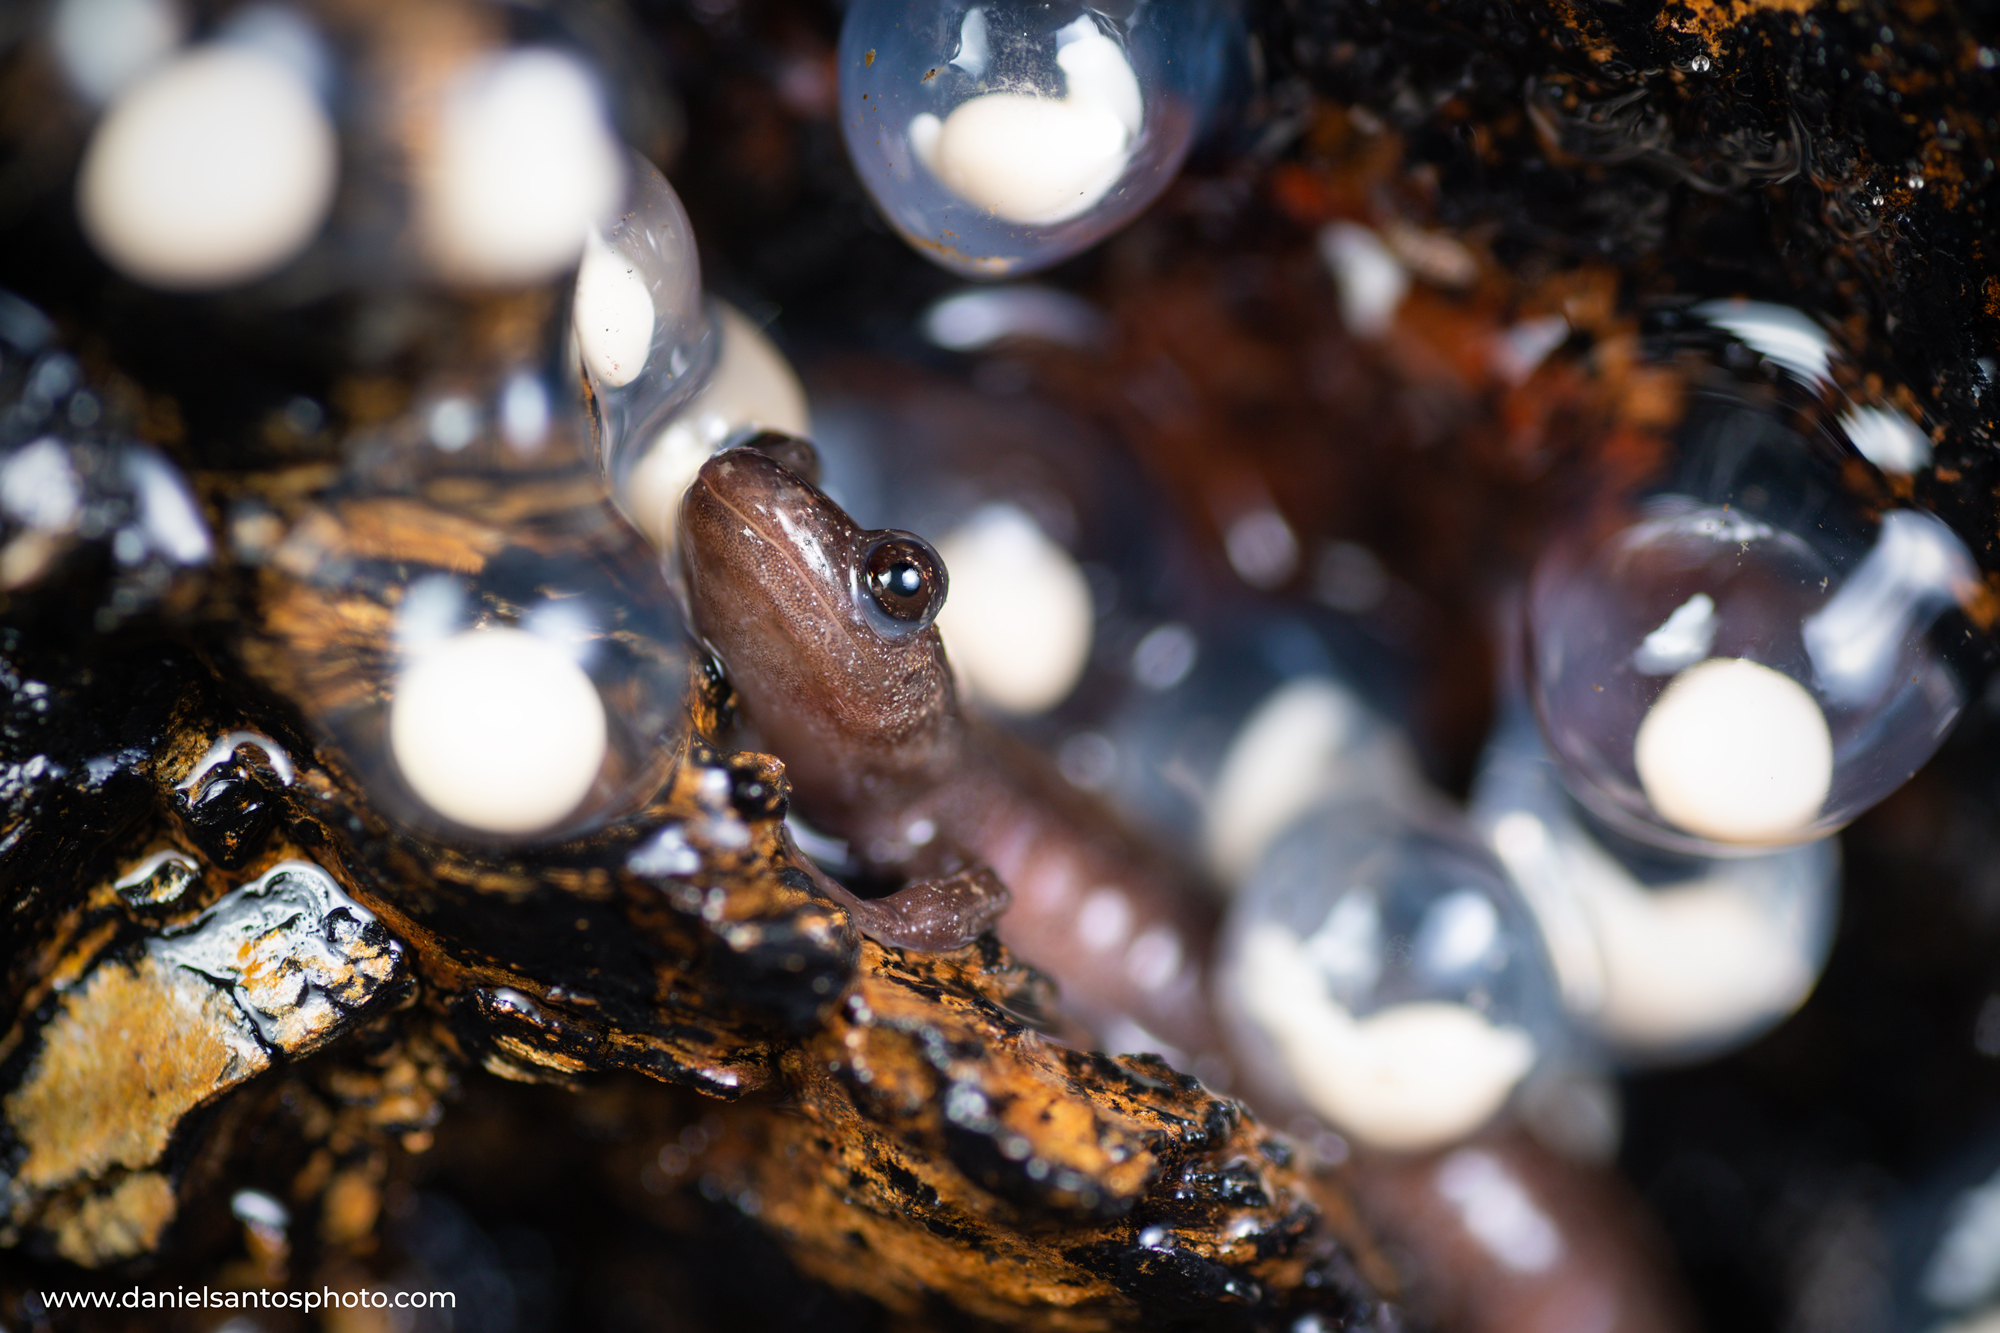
(642, 333)
(672, 376)
(212, 165)
(1001, 137)
(1748, 659)
(1380, 972)
(508, 666)
(1663, 957)
(502, 715)
(1232, 726)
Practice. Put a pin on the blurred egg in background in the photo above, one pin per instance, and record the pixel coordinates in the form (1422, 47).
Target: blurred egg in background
(1387, 976)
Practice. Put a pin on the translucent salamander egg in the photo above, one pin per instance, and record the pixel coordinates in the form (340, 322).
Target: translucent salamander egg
(1664, 956)
(1801, 350)
(521, 163)
(497, 729)
(1382, 973)
(473, 152)
(1708, 680)
(1002, 137)
(214, 168)
(672, 378)
(750, 389)
(529, 702)
(1229, 733)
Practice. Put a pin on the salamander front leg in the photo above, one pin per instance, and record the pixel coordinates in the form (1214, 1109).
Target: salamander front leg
(930, 915)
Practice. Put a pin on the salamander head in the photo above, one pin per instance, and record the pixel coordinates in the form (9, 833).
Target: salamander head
(823, 627)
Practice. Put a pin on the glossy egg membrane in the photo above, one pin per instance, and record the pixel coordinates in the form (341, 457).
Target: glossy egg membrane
(1382, 972)
(536, 699)
(642, 333)
(1747, 658)
(1002, 137)
(1233, 723)
(673, 377)
(1663, 957)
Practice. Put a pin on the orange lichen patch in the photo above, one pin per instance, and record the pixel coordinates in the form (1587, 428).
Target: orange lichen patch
(398, 1090)
(997, 1275)
(1583, 27)
(1711, 20)
(118, 1224)
(57, 967)
(1038, 1117)
(294, 987)
(937, 1147)
(510, 1054)
(129, 1055)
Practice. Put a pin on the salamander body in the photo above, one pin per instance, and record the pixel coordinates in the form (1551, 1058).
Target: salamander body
(825, 631)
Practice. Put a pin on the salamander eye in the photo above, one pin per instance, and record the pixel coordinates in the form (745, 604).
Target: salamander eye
(905, 582)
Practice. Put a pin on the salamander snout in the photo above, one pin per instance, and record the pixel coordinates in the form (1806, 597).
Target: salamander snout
(757, 499)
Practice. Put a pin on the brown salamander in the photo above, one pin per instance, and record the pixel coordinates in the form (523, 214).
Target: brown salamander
(825, 631)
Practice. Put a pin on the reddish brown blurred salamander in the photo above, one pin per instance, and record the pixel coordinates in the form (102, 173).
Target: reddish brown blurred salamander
(824, 630)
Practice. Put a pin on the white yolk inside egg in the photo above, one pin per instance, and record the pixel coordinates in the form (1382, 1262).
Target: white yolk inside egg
(523, 164)
(498, 729)
(1408, 1077)
(1694, 964)
(1017, 621)
(613, 313)
(1668, 966)
(214, 169)
(1040, 160)
(1737, 752)
(1308, 739)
